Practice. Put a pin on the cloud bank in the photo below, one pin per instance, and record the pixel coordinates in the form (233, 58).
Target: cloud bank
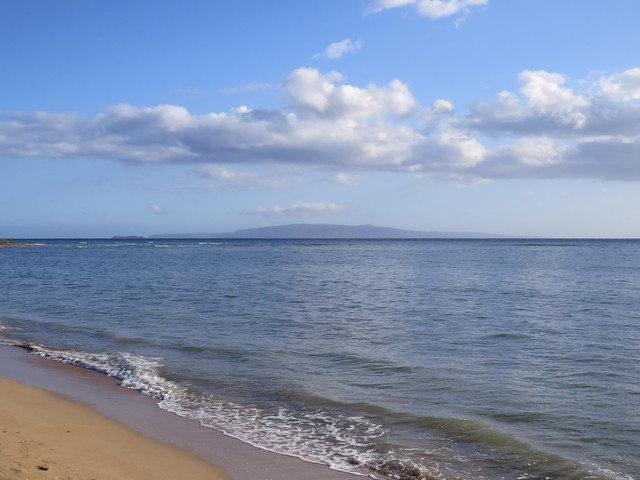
(545, 130)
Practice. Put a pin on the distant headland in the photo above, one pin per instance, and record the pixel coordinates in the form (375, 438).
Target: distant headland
(327, 231)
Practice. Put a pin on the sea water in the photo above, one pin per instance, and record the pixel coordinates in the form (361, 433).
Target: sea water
(452, 359)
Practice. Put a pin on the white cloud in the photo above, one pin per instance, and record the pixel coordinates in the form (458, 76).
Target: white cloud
(311, 90)
(429, 8)
(547, 105)
(623, 86)
(328, 124)
(545, 94)
(465, 150)
(338, 49)
(169, 118)
(545, 130)
(543, 90)
(432, 116)
(536, 151)
(300, 210)
(544, 98)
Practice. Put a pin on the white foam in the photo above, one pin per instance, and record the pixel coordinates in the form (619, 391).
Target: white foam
(134, 371)
(345, 443)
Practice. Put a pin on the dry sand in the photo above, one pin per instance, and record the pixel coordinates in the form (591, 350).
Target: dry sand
(43, 436)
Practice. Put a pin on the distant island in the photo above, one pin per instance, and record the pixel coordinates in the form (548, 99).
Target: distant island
(327, 231)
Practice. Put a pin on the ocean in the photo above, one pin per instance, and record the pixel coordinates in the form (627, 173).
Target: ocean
(408, 359)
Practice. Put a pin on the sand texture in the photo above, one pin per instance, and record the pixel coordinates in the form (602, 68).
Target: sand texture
(43, 436)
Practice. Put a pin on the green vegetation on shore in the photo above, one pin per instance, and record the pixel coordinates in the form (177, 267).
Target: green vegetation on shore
(11, 243)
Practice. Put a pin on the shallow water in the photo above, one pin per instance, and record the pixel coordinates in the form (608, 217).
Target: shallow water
(452, 359)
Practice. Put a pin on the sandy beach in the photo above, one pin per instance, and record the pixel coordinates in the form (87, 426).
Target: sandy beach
(43, 436)
(63, 422)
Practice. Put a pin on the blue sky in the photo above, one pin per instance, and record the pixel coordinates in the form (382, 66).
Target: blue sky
(517, 117)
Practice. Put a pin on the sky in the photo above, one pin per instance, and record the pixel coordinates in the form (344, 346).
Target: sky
(512, 117)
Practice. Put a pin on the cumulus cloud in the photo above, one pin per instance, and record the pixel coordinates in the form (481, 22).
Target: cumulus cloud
(549, 128)
(623, 86)
(338, 49)
(545, 100)
(429, 8)
(432, 116)
(536, 151)
(545, 94)
(300, 210)
(548, 108)
(311, 90)
(328, 123)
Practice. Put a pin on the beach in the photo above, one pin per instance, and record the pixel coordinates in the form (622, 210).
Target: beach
(59, 421)
(44, 436)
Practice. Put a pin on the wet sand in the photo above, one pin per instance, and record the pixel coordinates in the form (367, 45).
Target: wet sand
(43, 436)
(89, 405)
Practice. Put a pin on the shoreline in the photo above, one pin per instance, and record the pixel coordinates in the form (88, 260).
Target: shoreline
(82, 389)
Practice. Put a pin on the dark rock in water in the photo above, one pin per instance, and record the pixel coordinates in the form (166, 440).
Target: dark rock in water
(402, 471)
(353, 461)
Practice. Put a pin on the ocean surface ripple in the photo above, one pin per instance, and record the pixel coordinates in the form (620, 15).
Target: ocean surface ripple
(420, 359)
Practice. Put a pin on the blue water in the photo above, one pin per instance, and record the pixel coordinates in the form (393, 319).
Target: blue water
(454, 359)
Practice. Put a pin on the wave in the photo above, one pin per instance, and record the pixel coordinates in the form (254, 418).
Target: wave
(359, 438)
(343, 442)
